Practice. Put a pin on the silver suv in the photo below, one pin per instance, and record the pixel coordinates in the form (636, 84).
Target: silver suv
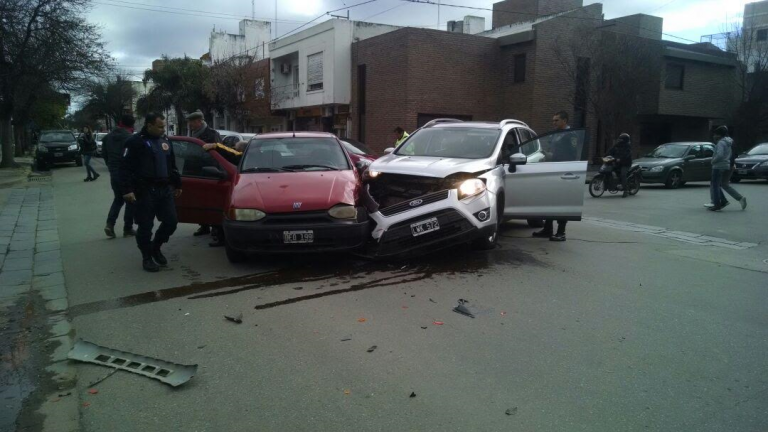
(452, 182)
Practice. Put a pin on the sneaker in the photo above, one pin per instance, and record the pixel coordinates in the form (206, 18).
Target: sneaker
(708, 205)
(109, 230)
(558, 237)
(87, 179)
(159, 257)
(203, 230)
(725, 204)
(149, 265)
(542, 234)
(130, 232)
(713, 208)
(743, 202)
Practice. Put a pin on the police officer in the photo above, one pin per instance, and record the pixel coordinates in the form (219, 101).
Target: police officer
(149, 178)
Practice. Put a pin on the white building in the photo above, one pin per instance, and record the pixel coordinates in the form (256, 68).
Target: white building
(311, 74)
(253, 39)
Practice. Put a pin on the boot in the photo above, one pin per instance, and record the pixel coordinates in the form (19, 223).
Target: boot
(109, 230)
(559, 237)
(203, 230)
(129, 232)
(149, 265)
(157, 255)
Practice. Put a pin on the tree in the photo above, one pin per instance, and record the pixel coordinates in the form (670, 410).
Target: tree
(109, 98)
(43, 44)
(617, 76)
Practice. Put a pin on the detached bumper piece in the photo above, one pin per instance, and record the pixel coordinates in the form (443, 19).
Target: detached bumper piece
(454, 229)
(172, 374)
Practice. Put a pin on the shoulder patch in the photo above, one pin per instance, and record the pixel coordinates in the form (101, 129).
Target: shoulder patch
(165, 146)
(125, 152)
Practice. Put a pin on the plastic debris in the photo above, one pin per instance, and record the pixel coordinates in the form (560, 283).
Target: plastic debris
(503, 314)
(438, 323)
(347, 339)
(93, 391)
(86, 404)
(361, 320)
(511, 411)
(405, 307)
(433, 301)
(424, 328)
(237, 319)
(413, 395)
(372, 349)
(347, 391)
(461, 309)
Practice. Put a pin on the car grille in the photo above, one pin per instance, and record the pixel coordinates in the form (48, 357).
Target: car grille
(406, 205)
(399, 237)
(58, 149)
(745, 165)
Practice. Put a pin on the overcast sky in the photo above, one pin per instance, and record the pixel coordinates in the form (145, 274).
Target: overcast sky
(138, 31)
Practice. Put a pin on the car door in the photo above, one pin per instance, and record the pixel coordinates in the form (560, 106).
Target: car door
(204, 194)
(549, 189)
(532, 147)
(692, 168)
(709, 152)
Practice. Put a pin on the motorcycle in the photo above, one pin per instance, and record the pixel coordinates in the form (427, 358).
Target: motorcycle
(606, 180)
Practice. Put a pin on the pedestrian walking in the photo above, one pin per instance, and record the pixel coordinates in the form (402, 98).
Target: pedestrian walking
(622, 154)
(113, 146)
(723, 165)
(199, 129)
(563, 148)
(87, 149)
(149, 178)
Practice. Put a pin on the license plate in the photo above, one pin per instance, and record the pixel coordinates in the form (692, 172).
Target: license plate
(424, 227)
(298, 236)
(58, 154)
(741, 171)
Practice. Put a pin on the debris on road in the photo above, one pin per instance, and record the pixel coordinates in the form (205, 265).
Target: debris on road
(413, 395)
(405, 307)
(347, 339)
(503, 313)
(361, 320)
(438, 323)
(433, 301)
(173, 374)
(298, 288)
(372, 349)
(461, 309)
(237, 319)
(93, 391)
(511, 411)
(424, 328)
(86, 404)
(100, 380)
(202, 346)
(347, 391)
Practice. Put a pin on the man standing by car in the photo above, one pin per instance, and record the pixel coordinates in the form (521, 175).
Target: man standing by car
(563, 148)
(622, 155)
(199, 129)
(400, 135)
(113, 147)
(722, 168)
(149, 178)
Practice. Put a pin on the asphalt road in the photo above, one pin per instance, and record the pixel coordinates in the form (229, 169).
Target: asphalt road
(613, 330)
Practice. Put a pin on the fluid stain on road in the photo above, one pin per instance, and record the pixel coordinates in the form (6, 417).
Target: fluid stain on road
(336, 271)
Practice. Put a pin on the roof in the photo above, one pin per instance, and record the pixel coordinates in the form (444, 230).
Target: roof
(521, 27)
(295, 134)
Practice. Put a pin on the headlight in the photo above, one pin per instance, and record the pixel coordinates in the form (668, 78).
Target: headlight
(373, 174)
(343, 211)
(471, 188)
(658, 168)
(42, 149)
(72, 147)
(248, 215)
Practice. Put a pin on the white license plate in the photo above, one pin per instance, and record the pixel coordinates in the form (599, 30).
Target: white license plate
(58, 155)
(741, 171)
(424, 227)
(298, 236)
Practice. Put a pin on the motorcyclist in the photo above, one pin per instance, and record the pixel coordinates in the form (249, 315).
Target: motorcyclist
(622, 155)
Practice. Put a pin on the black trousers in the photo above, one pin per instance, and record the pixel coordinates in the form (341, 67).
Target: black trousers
(151, 202)
(549, 224)
(117, 204)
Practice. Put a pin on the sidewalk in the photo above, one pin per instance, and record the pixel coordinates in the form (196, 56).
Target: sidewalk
(10, 177)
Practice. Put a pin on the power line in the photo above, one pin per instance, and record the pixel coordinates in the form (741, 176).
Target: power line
(384, 11)
(327, 13)
(186, 12)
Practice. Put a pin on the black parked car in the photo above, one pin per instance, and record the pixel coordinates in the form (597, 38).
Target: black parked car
(752, 165)
(57, 146)
(674, 164)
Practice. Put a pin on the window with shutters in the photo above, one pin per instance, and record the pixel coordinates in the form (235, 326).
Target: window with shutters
(315, 72)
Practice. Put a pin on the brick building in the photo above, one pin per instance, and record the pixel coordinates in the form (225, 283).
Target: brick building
(514, 71)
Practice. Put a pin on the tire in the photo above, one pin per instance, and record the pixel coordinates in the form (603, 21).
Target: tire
(735, 179)
(674, 180)
(535, 223)
(488, 242)
(597, 186)
(79, 161)
(234, 256)
(634, 185)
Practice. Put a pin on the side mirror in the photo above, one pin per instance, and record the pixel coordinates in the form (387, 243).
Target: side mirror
(362, 164)
(215, 172)
(389, 150)
(515, 160)
(689, 157)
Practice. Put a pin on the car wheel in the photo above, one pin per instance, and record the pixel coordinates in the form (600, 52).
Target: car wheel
(79, 161)
(596, 186)
(674, 180)
(488, 241)
(234, 256)
(535, 223)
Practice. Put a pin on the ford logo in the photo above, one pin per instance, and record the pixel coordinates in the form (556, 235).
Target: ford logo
(415, 203)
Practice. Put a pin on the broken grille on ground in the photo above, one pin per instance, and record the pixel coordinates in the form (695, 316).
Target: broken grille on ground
(173, 374)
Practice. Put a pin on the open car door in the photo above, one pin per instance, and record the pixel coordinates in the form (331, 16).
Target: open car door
(205, 182)
(552, 188)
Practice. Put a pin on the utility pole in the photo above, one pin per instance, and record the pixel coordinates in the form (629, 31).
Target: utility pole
(253, 9)
(275, 19)
(438, 14)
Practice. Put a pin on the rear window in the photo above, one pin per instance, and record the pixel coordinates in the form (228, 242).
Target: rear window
(57, 136)
(462, 143)
(294, 154)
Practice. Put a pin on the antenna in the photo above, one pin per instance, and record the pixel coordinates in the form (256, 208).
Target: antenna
(253, 9)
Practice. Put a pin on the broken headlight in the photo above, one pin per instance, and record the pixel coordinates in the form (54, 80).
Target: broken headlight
(470, 188)
(247, 215)
(343, 211)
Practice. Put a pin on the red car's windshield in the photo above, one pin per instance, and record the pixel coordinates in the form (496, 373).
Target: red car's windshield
(294, 154)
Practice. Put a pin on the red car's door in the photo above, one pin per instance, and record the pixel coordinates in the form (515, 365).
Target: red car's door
(204, 193)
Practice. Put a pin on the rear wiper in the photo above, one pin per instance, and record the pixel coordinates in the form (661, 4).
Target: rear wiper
(262, 169)
(291, 167)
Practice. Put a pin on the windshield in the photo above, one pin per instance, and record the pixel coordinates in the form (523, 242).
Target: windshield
(57, 136)
(462, 143)
(356, 147)
(294, 154)
(669, 151)
(761, 149)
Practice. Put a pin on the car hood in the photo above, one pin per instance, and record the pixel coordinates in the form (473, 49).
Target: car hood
(57, 143)
(752, 159)
(279, 192)
(427, 166)
(649, 162)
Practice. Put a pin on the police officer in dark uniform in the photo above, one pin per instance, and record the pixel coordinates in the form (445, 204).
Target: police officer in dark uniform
(149, 178)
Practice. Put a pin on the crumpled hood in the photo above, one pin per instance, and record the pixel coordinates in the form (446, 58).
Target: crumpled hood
(752, 159)
(279, 192)
(428, 166)
(649, 162)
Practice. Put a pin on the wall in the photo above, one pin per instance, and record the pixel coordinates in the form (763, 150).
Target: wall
(252, 40)
(516, 11)
(645, 26)
(708, 91)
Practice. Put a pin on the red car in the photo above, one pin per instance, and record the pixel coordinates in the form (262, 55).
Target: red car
(291, 193)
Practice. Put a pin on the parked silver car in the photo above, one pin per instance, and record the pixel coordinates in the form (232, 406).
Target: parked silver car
(752, 165)
(452, 182)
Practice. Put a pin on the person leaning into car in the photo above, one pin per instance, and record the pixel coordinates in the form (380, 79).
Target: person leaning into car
(149, 178)
(563, 148)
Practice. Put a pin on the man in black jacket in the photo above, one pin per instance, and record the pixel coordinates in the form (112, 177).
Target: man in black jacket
(622, 153)
(149, 178)
(113, 146)
(199, 129)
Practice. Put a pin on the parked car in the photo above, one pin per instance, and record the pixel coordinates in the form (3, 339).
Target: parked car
(99, 137)
(291, 193)
(57, 146)
(357, 150)
(752, 165)
(235, 137)
(453, 182)
(674, 164)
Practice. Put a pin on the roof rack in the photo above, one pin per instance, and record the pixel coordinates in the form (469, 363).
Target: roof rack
(441, 120)
(511, 121)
